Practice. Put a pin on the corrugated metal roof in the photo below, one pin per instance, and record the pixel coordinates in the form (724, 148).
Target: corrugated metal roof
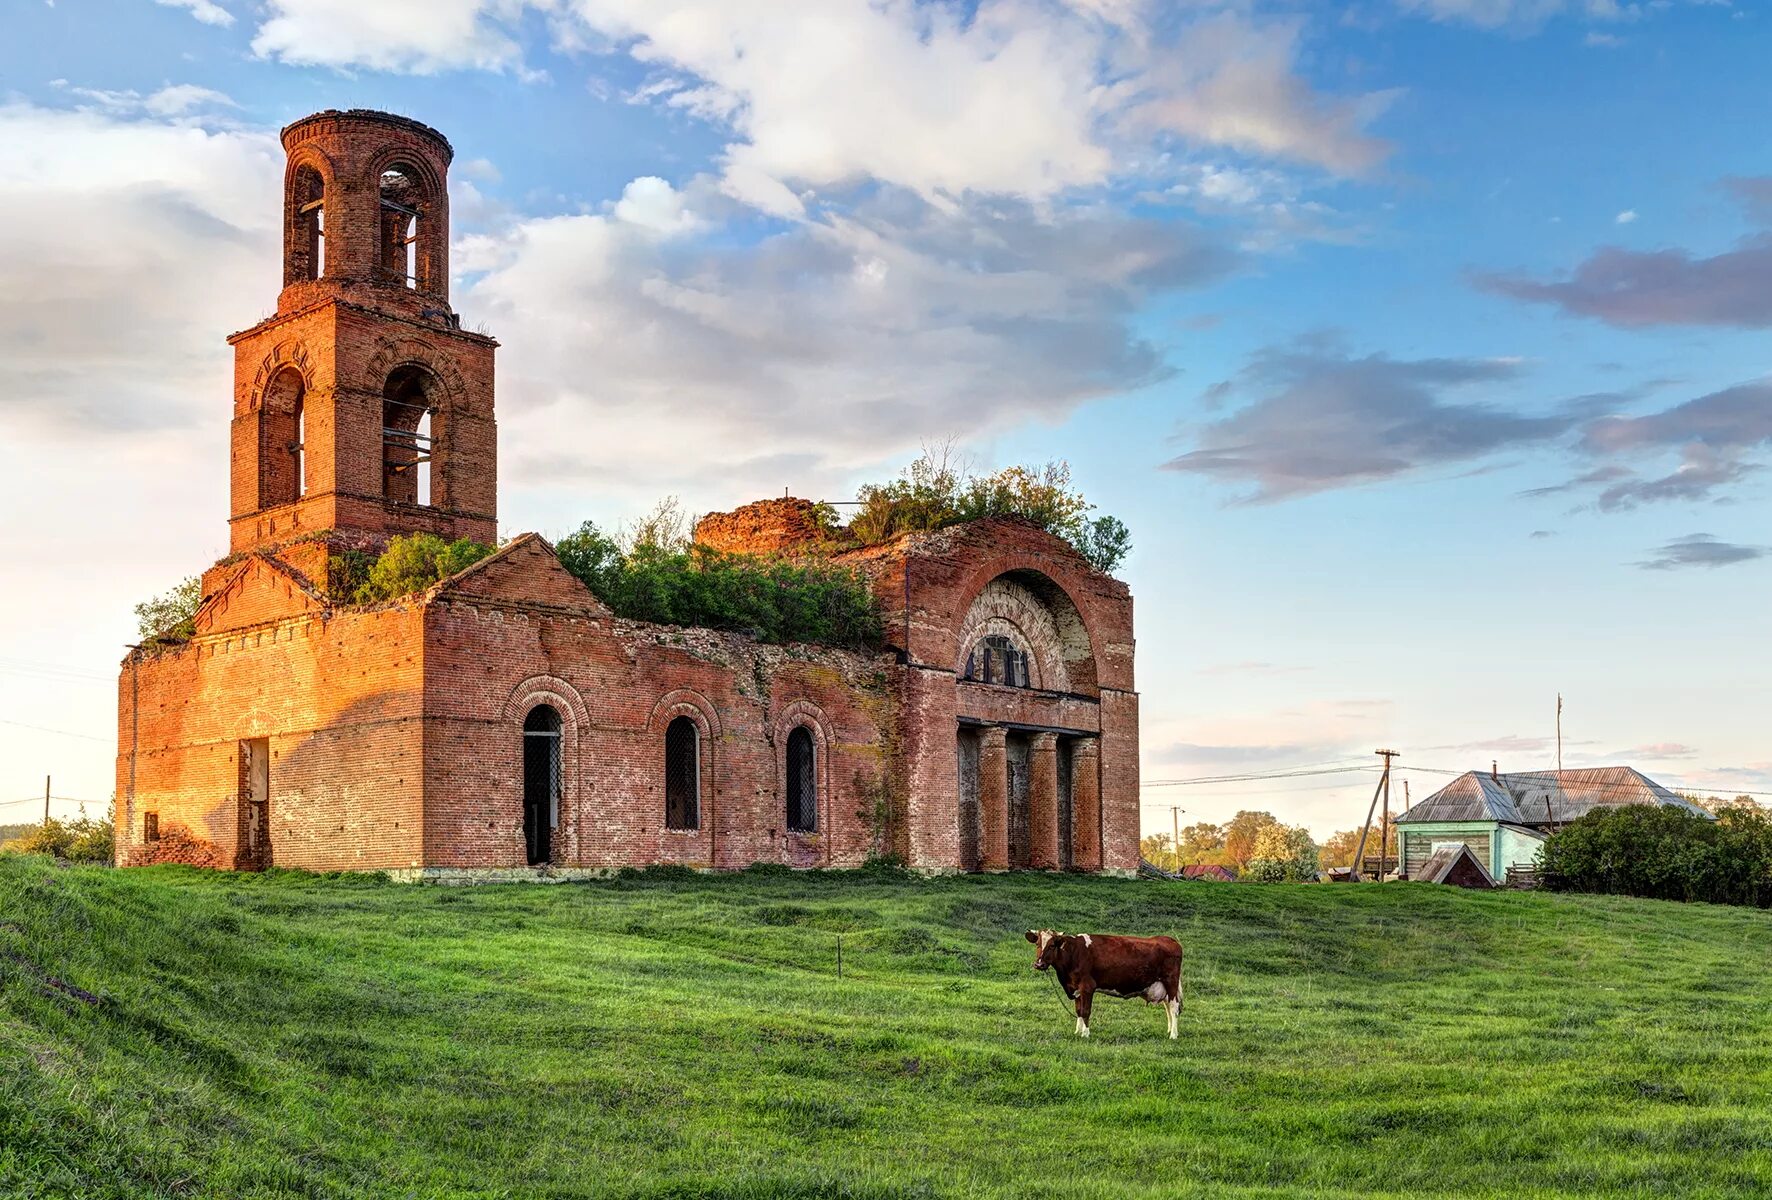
(1541, 798)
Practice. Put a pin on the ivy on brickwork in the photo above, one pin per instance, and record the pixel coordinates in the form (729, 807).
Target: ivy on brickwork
(411, 563)
(655, 573)
(938, 490)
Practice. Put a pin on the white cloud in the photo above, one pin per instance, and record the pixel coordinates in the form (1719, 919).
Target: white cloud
(1026, 98)
(835, 341)
(126, 242)
(1625, 217)
(417, 36)
(173, 100)
(206, 11)
(653, 204)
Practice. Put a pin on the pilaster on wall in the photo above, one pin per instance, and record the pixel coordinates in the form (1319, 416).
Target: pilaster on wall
(993, 799)
(928, 721)
(1086, 804)
(1043, 802)
(1119, 781)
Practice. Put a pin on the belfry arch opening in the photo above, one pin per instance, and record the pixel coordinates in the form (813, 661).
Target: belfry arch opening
(307, 226)
(408, 438)
(281, 430)
(404, 208)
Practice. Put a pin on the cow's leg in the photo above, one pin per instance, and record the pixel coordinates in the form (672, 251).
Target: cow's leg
(1174, 1007)
(1085, 999)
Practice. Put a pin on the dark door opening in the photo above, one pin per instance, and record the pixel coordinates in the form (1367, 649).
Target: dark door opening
(254, 852)
(541, 782)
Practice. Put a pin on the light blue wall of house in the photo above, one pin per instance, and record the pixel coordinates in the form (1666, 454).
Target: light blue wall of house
(1424, 834)
(1508, 846)
(1515, 847)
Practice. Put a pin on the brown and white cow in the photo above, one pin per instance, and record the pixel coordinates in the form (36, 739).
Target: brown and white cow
(1087, 963)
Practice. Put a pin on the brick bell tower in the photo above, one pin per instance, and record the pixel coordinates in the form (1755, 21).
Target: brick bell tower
(362, 409)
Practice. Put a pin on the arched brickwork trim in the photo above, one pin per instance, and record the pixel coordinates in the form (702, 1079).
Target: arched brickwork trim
(686, 702)
(804, 714)
(284, 356)
(1075, 631)
(564, 699)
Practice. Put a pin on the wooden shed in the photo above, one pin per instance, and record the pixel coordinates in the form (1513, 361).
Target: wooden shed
(1454, 863)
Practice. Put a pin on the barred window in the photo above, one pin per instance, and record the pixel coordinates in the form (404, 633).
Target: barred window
(541, 782)
(802, 782)
(682, 774)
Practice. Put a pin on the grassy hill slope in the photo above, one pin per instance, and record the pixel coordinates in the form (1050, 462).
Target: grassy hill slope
(171, 1033)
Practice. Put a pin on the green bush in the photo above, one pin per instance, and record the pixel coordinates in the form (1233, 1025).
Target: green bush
(1664, 853)
(413, 562)
(935, 492)
(171, 616)
(771, 599)
(79, 840)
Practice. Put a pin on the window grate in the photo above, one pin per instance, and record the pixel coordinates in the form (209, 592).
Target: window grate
(802, 782)
(682, 774)
(541, 781)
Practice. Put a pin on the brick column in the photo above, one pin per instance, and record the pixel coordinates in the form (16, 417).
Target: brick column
(1086, 804)
(993, 799)
(1043, 802)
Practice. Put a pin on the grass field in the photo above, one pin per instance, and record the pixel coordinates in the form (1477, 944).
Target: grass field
(166, 1032)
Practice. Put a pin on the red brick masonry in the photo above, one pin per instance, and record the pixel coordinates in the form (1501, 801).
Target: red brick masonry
(297, 730)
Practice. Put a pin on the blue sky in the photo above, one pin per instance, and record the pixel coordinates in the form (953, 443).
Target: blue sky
(1422, 343)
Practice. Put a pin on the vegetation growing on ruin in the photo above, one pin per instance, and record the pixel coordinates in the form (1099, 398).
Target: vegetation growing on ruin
(938, 489)
(653, 572)
(170, 616)
(166, 1032)
(411, 563)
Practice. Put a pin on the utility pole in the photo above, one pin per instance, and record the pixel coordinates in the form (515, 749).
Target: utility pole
(1559, 736)
(1384, 826)
(46, 803)
(1175, 832)
(1383, 789)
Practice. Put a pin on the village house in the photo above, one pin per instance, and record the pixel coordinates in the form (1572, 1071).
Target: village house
(504, 723)
(1504, 817)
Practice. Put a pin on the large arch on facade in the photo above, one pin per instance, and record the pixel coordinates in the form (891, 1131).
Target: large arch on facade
(1018, 596)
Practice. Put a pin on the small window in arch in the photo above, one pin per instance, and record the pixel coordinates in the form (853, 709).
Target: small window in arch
(308, 248)
(682, 774)
(407, 447)
(996, 660)
(802, 782)
(401, 211)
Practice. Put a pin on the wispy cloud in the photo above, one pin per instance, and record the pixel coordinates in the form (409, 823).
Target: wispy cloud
(1701, 550)
(1635, 289)
(1322, 419)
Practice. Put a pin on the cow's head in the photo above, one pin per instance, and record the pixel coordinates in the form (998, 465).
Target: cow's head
(1047, 943)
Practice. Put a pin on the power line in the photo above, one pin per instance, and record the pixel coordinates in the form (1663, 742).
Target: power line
(1253, 776)
(46, 729)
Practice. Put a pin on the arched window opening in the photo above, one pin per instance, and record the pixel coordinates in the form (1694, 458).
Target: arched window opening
(541, 782)
(281, 429)
(802, 782)
(682, 774)
(401, 211)
(308, 253)
(407, 448)
(996, 660)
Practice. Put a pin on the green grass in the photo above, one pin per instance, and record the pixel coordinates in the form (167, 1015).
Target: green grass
(674, 1036)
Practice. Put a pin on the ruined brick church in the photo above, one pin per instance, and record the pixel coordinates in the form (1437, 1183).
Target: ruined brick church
(504, 723)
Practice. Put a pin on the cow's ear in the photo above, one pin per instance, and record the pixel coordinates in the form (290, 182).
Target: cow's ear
(1033, 935)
